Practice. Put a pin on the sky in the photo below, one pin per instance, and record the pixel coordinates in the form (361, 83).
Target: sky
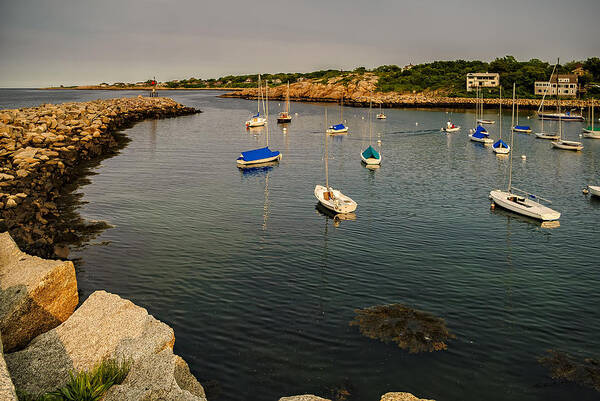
(69, 42)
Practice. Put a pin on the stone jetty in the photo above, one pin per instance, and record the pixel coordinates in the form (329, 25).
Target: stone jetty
(357, 92)
(41, 148)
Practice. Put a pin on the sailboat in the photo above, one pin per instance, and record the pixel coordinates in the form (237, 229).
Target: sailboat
(542, 134)
(500, 147)
(285, 116)
(339, 128)
(381, 116)
(561, 143)
(526, 204)
(479, 134)
(558, 115)
(594, 190)
(370, 156)
(261, 155)
(525, 129)
(481, 119)
(590, 132)
(257, 120)
(330, 198)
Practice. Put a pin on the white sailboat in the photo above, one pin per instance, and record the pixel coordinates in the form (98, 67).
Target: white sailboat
(370, 156)
(330, 198)
(257, 120)
(500, 147)
(543, 134)
(481, 119)
(590, 131)
(341, 127)
(524, 129)
(526, 204)
(594, 190)
(381, 116)
(252, 158)
(285, 116)
(479, 134)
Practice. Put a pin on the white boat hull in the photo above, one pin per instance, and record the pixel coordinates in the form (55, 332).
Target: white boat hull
(486, 121)
(337, 131)
(568, 145)
(338, 203)
(449, 130)
(256, 122)
(523, 131)
(381, 116)
(485, 141)
(524, 206)
(587, 133)
(502, 151)
(594, 190)
(543, 135)
(371, 160)
(243, 163)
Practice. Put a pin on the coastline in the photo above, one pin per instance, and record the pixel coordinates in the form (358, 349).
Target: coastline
(141, 88)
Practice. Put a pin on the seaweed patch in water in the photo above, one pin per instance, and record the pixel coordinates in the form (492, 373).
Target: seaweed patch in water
(411, 329)
(563, 367)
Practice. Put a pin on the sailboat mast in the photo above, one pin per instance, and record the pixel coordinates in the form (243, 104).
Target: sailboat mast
(512, 139)
(370, 120)
(517, 111)
(287, 99)
(512, 121)
(259, 95)
(267, 109)
(592, 114)
(326, 155)
(342, 109)
(558, 101)
(500, 113)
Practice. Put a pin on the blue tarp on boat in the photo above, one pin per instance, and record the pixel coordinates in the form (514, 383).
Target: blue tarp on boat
(257, 115)
(258, 154)
(500, 144)
(338, 127)
(480, 132)
(370, 153)
(522, 127)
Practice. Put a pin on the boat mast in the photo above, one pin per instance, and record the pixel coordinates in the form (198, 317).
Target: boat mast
(342, 109)
(517, 111)
(370, 122)
(558, 103)
(512, 139)
(326, 166)
(259, 95)
(287, 99)
(500, 113)
(267, 109)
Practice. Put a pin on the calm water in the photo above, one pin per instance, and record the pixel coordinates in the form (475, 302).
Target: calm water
(260, 287)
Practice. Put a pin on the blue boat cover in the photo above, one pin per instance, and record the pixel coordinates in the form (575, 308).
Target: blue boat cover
(523, 127)
(500, 144)
(370, 153)
(258, 154)
(338, 127)
(257, 114)
(480, 132)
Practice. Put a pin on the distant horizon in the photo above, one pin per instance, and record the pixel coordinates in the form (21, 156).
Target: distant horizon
(197, 76)
(69, 42)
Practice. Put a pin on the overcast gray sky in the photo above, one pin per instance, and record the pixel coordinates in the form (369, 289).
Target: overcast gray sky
(53, 42)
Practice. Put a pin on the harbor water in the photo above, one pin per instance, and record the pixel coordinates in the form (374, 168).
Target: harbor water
(260, 286)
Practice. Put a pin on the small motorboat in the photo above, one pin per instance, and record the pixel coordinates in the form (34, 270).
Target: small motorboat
(523, 205)
(334, 200)
(545, 135)
(337, 129)
(525, 129)
(481, 135)
(450, 127)
(567, 145)
(501, 147)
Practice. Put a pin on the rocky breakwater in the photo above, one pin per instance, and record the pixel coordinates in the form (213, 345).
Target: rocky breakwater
(358, 90)
(40, 150)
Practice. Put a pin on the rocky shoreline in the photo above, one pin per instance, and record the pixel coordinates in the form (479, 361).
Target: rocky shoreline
(41, 149)
(358, 93)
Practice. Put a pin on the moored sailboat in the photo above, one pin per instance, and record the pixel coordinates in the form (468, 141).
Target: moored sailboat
(330, 198)
(591, 131)
(341, 127)
(262, 155)
(257, 120)
(500, 147)
(370, 156)
(526, 204)
(524, 129)
(381, 116)
(285, 116)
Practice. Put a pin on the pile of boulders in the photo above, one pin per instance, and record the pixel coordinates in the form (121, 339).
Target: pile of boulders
(41, 146)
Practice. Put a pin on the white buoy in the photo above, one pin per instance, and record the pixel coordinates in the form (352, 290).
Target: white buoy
(585, 191)
(523, 157)
(284, 128)
(363, 118)
(416, 123)
(295, 114)
(581, 136)
(379, 141)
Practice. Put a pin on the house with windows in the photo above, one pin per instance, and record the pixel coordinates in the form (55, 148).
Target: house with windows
(565, 84)
(482, 80)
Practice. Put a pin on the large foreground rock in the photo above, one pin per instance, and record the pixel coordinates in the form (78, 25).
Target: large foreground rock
(303, 397)
(7, 390)
(161, 376)
(36, 295)
(104, 326)
(401, 397)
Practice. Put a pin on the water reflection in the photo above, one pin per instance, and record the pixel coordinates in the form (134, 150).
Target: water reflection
(525, 219)
(336, 217)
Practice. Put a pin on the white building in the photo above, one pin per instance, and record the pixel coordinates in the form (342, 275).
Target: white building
(482, 80)
(567, 86)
